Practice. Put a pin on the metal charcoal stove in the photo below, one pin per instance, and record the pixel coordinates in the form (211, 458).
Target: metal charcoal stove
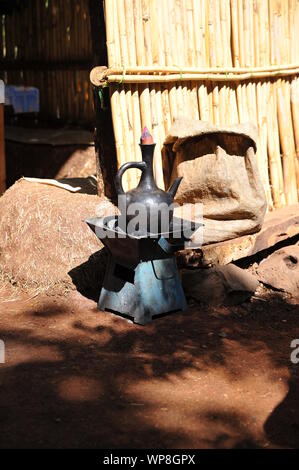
(141, 279)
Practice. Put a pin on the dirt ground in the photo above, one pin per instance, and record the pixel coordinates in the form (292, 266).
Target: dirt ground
(62, 161)
(207, 378)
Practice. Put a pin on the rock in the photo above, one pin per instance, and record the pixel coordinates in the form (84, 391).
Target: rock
(281, 270)
(220, 285)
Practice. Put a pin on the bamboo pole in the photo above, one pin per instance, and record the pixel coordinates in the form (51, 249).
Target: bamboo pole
(219, 77)
(145, 108)
(287, 143)
(233, 103)
(238, 72)
(224, 91)
(286, 32)
(136, 126)
(157, 163)
(296, 19)
(130, 31)
(117, 125)
(129, 136)
(241, 87)
(211, 35)
(292, 29)
(200, 17)
(147, 23)
(193, 99)
(203, 28)
(197, 36)
(166, 46)
(169, 11)
(126, 113)
(210, 98)
(275, 165)
(249, 60)
(157, 36)
(186, 109)
(203, 101)
(166, 118)
(295, 117)
(219, 95)
(132, 96)
(139, 41)
(191, 51)
(111, 32)
(235, 34)
(281, 55)
(172, 93)
(235, 57)
(212, 40)
(276, 137)
(225, 23)
(169, 93)
(160, 117)
(139, 48)
(122, 33)
(166, 108)
(179, 35)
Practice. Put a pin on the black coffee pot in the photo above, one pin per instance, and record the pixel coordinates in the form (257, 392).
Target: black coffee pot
(153, 205)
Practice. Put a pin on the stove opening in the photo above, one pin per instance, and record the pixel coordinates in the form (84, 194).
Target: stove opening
(126, 274)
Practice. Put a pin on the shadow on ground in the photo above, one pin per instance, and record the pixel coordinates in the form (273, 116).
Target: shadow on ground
(88, 277)
(208, 378)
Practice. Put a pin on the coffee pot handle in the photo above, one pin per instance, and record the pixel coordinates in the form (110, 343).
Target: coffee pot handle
(118, 179)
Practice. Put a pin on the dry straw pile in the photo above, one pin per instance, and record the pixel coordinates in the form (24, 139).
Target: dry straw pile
(221, 61)
(43, 238)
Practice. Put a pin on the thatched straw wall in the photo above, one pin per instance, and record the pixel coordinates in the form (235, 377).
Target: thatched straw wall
(222, 61)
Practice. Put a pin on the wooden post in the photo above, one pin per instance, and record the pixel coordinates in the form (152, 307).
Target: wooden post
(104, 135)
(2, 152)
(2, 142)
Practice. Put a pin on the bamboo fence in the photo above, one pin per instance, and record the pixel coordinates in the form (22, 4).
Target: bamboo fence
(222, 61)
(50, 36)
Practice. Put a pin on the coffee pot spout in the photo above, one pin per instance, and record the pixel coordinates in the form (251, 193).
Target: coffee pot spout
(175, 186)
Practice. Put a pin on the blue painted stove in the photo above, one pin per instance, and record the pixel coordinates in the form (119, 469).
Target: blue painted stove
(141, 279)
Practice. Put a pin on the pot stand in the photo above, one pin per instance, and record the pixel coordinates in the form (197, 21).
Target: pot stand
(152, 288)
(141, 279)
